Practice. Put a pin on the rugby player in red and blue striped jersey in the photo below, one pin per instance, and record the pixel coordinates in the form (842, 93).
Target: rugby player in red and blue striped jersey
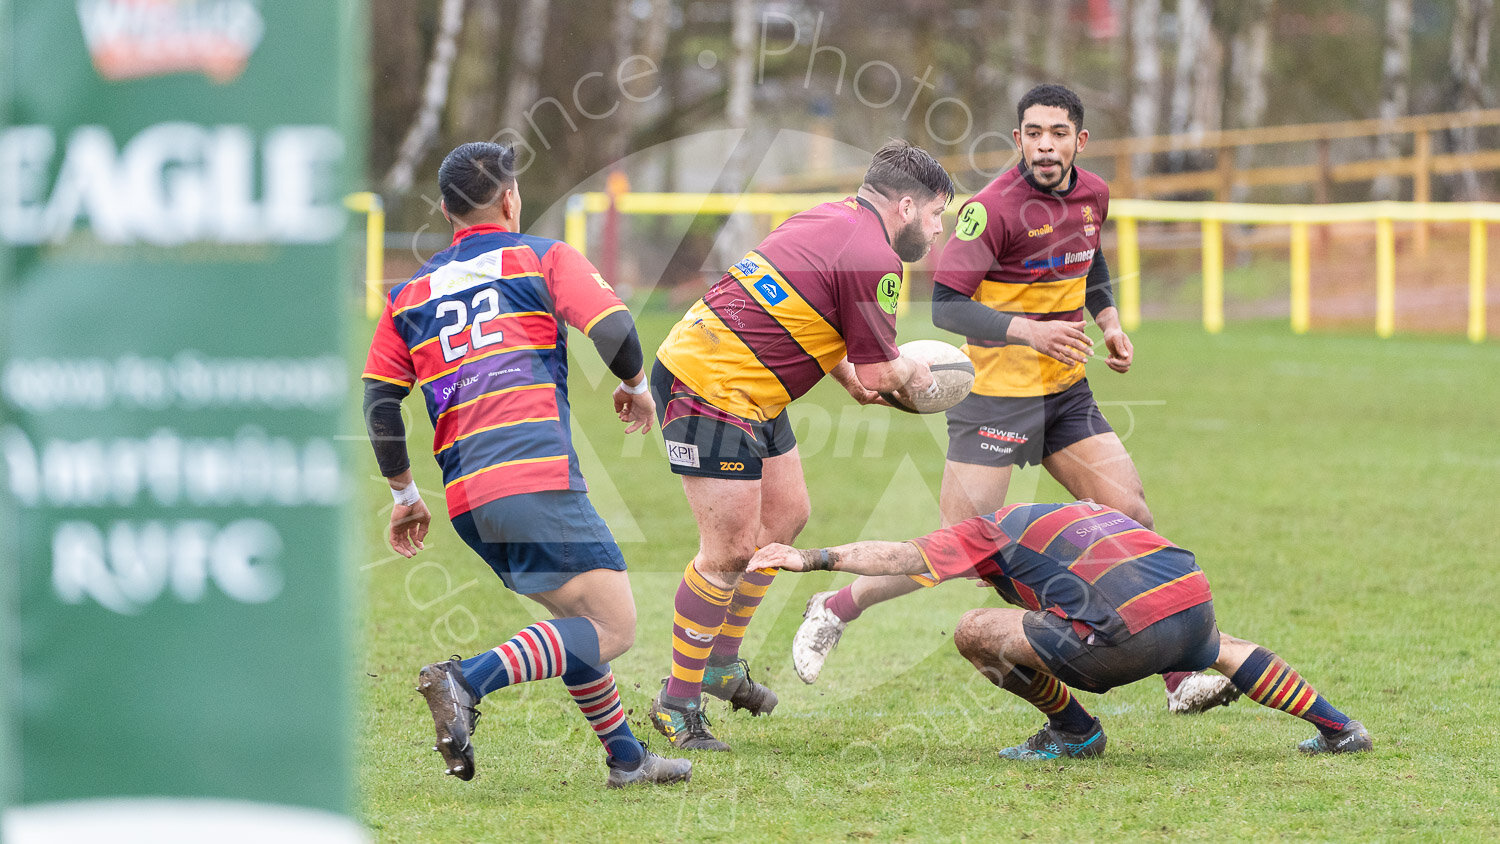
(482, 329)
(1107, 602)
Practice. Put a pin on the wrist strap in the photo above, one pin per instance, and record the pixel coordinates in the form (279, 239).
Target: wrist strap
(407, 495)
(637, 389)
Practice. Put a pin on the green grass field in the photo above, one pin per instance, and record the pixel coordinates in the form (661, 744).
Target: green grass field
(1340, 492)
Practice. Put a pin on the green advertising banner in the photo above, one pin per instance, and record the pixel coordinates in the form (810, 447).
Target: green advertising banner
(174, 278)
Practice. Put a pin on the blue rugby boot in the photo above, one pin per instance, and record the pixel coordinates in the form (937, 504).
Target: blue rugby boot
(1050, 743)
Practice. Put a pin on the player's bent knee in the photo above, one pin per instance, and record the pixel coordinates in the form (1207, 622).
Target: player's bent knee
(615, 637)
(968, 636)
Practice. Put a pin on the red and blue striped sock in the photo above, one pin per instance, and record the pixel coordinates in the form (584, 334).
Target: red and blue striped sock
(1266, 679)
(1051, 696)
(593, 689)
(543, 650)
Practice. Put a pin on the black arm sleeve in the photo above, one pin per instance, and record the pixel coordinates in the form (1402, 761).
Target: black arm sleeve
(1100, 291)
(615, 338)
(953, 311)
(383, 423)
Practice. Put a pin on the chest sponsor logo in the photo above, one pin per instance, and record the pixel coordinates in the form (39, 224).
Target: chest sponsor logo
(682, 454)
(1047, 229)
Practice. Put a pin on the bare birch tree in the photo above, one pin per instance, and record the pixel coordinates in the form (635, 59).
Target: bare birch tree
(1018, 44)
(647, 40)
(1395, 89)
(1468, 62)
(475, 111)
(526, 63)
(1249, 66)
(434, 98)
(1145, 75)
(1054, 47)
(732, 238)
(1192, 39)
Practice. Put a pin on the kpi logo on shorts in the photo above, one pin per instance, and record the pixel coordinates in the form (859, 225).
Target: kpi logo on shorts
(682, 454)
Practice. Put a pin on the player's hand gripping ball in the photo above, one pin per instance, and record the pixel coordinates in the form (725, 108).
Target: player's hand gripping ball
(952, 377)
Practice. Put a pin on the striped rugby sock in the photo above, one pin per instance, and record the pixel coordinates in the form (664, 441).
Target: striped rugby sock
(593, 689)
(700, 607)
(742, 605)
(1051, 696)
(1266, 679)
(545, 649)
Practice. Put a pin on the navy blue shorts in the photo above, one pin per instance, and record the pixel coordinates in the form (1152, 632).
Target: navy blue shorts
(1184, 641)
(538, 541)
(1021, 430)
(707, 442)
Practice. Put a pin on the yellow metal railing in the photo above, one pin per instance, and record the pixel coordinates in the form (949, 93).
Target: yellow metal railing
(370, 204)
(1126, 213)
(1212, 216)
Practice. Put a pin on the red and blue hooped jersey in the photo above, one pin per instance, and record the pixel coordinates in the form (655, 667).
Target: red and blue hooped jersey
(482, 329)
(1089, 564)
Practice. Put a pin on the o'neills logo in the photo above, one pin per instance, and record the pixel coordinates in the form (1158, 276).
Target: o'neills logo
(132, 39)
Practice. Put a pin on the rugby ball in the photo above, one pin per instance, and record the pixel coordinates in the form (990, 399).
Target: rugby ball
(952, 377)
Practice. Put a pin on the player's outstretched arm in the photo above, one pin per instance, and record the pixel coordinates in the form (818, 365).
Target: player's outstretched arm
(876, 558)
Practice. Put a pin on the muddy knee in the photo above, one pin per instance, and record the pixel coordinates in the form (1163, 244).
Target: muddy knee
(969, 637)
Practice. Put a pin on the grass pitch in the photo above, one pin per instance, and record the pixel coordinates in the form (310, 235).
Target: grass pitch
(1340, 492)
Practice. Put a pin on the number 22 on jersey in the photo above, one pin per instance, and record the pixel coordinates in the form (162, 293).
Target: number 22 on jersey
(484, 306)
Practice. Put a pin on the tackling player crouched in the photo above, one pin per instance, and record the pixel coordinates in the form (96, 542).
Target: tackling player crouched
(1107, 602)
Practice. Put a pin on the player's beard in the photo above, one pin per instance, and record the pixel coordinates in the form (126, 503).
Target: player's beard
(1063, 171)
(910, 244)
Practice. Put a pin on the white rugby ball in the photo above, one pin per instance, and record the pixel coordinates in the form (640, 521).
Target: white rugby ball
(952, 377)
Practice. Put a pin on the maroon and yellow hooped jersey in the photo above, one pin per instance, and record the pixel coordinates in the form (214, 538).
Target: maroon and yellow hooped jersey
(821, 287)
(1025, 251)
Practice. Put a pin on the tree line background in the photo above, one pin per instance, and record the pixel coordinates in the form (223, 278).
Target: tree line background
(560, 77)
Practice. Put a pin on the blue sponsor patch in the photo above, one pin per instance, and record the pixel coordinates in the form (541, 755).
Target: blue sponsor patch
(772, 291)
(747, 268)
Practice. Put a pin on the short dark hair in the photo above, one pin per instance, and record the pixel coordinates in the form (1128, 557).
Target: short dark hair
(474, 175)
(901, 169)
(1052, 95)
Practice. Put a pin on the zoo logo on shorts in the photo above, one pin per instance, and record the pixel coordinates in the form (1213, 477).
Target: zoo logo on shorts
(682, 454)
